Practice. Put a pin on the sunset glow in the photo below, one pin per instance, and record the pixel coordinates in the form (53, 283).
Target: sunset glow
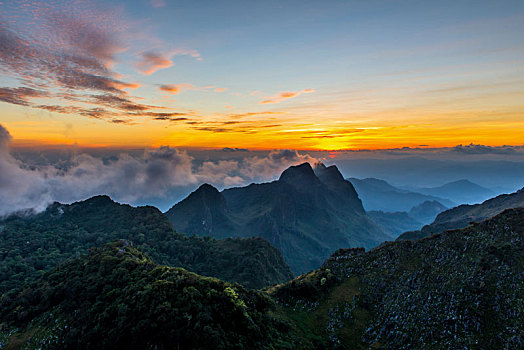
(298, 76)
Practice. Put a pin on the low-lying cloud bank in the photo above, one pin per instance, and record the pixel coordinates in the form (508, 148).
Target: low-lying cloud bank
(127, 178)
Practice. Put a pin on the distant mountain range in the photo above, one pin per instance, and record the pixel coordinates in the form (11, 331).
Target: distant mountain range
(400, 221)
(503, 175)
(463, 215)
(427, 211)
(395, 222)
(30, 245)
(377, 194)
(307, 214)
(461, 192)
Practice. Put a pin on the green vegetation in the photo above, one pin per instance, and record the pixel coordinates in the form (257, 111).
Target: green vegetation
(117, 297)
(461, 289)
(30, 245)
(307, 214)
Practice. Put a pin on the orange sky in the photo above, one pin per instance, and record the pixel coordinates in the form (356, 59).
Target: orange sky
(386, 129)
(344, 76)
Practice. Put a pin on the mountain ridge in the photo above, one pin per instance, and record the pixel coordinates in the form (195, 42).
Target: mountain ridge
(377, 194)
(462, 215)
(461, 191)
(32, 244)
(307, 213)
(458, 289)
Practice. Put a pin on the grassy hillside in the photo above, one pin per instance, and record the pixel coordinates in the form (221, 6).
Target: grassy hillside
(30, 245)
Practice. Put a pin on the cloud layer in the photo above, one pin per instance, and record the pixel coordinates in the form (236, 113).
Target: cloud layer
(127, 178)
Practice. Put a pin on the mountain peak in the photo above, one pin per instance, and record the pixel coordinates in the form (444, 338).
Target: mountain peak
(319, 165)
(100, 198)
(207, 193)
(329, 174)
(95, 201)
(301, 174)
(205, 187)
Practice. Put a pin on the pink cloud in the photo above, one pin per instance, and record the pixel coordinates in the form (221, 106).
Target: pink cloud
(174, 89)
(170, 89)
(150, 62)
(20, 96)
(290, 94)
(67, 54)
(285, 95)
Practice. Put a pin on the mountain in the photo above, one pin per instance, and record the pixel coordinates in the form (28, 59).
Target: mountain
(396, 222)
(205, 211)
(461, 191)
(119, 298)
(461, 289)
(307, 214)
(427, 211)
(463, 215)
(377, 194)
(32, 244)
(425, 172)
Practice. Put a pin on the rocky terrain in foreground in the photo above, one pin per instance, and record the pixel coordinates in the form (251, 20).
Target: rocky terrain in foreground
(461, 289)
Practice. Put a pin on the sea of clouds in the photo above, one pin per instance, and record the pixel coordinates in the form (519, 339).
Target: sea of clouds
(127, 178)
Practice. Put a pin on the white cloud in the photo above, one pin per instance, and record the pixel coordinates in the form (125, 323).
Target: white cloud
(127, 178)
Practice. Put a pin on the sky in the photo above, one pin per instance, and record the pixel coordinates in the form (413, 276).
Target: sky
(145, 100)
(306, 75)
